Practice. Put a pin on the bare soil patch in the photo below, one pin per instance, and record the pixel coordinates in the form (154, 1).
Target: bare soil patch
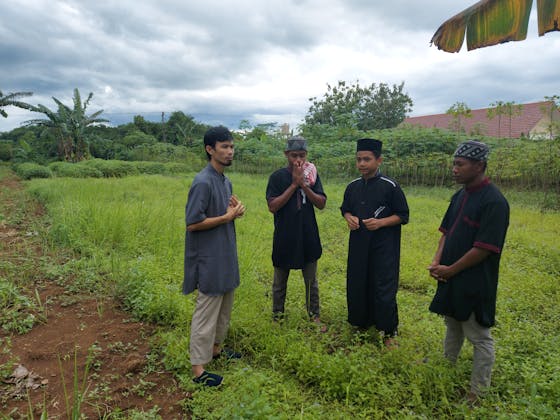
(76, 336)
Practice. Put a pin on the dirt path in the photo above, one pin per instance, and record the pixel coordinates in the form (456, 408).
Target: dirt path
(123, 373)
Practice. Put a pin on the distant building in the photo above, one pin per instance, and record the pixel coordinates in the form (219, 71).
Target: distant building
(533, 121)
(285, 129)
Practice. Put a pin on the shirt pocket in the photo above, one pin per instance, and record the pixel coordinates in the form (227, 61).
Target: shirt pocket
(381, 211)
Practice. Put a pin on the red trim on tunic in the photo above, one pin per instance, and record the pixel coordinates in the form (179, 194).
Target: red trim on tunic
(471, 222)
(459, 213)
(478, 187)
(488, 247)
(468, 192)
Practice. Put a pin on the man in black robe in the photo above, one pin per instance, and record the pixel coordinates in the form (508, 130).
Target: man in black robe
(374, 207)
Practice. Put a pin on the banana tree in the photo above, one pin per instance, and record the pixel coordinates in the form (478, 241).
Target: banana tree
(491, 22)
(69, 124)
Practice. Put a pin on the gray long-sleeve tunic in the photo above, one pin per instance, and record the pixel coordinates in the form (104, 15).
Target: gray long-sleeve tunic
(211, 264)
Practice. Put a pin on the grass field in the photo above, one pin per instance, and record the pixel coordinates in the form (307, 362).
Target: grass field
(128, 239)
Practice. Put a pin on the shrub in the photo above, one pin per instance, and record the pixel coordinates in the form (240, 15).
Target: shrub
(150, 167)
(160, 152)
(32, 170)
(112, 168)
(177, 168)
(74, 170)
(6, 150)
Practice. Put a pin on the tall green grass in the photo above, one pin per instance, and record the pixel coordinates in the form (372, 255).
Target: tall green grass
(130, 233)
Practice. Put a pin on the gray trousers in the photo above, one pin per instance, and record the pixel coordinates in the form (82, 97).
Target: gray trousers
(483, 345)
(209, 325)
(280, 286)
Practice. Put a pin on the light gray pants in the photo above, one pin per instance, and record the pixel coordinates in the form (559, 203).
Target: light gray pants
(280, 287)
(209, 325)
(483, 345)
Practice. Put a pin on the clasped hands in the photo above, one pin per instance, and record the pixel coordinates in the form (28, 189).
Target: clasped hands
(439, 272)
(235, 208)
(297, 174)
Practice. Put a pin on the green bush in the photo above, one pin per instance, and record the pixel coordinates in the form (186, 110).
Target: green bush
(150, 168)
(162, 152)
(177, 168)
(6, 150)
(168, 168)
(32, 170)
(74, 170)
(411, 155)
(113, 168)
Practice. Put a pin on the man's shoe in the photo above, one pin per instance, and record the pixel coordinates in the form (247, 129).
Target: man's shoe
(391, 343)
(473, 400)
(229, 354)
(208, 379)
(278, 317)
(317, 321)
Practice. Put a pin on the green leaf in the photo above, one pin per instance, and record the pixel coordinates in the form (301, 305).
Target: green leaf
(549, 16)
(491, 22)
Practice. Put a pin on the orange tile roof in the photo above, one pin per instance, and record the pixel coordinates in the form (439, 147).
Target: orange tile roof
(521, 124)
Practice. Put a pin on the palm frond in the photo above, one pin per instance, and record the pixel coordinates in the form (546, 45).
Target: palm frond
(13, 96)
(11, 99)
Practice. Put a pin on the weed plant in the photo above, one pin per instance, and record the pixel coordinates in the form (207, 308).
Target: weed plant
(15, 309)
(130, 231)
(74, 402)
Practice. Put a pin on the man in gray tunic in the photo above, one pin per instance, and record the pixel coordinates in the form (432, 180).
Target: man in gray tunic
(211, 264)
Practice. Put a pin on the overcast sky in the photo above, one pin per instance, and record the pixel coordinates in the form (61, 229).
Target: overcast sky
(260, 60)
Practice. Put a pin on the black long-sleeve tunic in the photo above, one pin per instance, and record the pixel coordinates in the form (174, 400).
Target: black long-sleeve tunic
(374, 256)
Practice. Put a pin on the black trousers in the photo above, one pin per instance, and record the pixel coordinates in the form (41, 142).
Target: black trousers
(372, 280)
(280, 287)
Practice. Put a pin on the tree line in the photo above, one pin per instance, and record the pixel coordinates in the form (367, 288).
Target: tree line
(70, 133)
(418, 156)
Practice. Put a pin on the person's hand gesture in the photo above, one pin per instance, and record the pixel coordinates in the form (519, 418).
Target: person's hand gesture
(373, 223)
(439, 272)
(235, 208)
(297, 174)
(352, 221)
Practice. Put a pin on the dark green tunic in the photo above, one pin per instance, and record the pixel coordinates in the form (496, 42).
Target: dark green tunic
(476, 217)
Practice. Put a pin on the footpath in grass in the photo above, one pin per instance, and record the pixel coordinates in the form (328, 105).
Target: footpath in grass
(65, 351)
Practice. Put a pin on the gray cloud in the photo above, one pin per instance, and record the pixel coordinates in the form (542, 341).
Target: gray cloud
(226, 61)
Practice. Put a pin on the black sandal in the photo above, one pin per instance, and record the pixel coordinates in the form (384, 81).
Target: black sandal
(208, 379)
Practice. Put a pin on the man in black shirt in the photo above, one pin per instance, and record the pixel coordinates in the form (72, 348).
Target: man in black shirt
(467, 260)
(292, 193)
